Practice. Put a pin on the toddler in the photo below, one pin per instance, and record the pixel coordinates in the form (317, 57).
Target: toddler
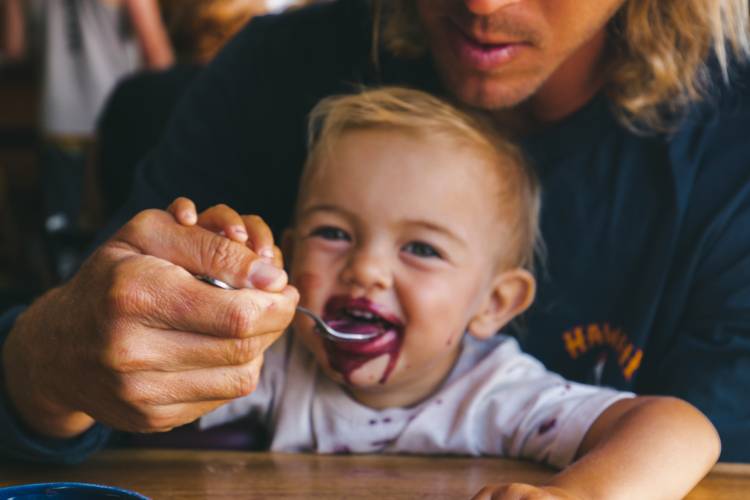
(417, 222)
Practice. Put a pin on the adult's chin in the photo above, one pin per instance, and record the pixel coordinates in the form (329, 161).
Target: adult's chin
(490, 92)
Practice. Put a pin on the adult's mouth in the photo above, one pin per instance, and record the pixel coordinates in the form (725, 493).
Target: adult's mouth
(482, 52)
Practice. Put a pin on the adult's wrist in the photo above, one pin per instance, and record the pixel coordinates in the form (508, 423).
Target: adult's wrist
(29, 395)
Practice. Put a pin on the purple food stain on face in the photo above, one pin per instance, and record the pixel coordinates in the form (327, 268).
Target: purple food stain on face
(346, 357)
(546, 426)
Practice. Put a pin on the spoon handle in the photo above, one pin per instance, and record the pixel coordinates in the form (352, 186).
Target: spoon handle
(326, 330)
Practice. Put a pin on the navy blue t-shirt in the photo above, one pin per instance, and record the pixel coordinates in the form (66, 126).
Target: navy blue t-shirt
(646, 284)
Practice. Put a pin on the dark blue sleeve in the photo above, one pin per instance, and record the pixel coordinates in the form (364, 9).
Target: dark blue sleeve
(18, 443)
(708, 359)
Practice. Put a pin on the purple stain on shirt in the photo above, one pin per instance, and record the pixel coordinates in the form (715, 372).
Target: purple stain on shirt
(438, 401)
(373, 421)
(381, 443)
(546, 426)
(341, 449)
(387, 420)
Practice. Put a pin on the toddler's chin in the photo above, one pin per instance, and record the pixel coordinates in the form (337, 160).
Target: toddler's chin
(370, 373)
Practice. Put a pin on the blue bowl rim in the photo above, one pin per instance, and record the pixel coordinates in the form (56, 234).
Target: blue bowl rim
(90, 487)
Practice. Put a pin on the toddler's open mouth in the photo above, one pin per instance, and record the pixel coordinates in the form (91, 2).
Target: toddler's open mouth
(361, 316)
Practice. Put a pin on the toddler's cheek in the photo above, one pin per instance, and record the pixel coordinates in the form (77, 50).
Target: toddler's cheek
(370, 373)
(307, 283)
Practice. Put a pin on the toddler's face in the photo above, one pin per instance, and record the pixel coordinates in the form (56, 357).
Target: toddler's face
(396, 234)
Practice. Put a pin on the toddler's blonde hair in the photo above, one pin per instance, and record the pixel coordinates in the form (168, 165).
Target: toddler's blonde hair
(421, 114)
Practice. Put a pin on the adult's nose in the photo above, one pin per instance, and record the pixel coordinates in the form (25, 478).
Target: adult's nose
(367, 271)
(487, 7)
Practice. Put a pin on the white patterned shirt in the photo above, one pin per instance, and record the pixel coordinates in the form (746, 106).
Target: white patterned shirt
(496, 401)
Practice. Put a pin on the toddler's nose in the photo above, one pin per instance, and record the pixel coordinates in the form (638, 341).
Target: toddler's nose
(367, 270)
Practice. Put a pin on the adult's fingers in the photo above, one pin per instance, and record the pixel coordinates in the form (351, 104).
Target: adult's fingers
(178, 351)
(162, 296)
(224, 220)
(184, 211)
(200, 251)
(154, 401)
(154, 389)
(260, 236)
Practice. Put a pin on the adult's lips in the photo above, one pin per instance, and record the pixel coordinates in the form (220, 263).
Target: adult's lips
(482, 52)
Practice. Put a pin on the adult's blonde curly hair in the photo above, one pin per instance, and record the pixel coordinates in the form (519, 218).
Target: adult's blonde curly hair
(660, 51)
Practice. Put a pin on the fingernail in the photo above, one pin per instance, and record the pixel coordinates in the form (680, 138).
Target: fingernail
(267, 253)
(239, 231)
(263, 274)
(188, 216)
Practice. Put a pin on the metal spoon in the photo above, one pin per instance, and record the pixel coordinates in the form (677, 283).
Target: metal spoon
(326, 330)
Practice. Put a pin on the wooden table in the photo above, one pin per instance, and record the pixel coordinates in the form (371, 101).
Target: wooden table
(163, 474)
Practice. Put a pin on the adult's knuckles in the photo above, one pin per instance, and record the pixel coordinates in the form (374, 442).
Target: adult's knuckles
(127, 293)
(220, 253)
(154, 419)
(141, 226)
(241, 351)
(134, 394)
(122, 355)
(242, 381)
(241, 315)
(146, 220)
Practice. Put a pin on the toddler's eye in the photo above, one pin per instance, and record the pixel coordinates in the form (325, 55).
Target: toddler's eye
(420, 249)
(330, 233)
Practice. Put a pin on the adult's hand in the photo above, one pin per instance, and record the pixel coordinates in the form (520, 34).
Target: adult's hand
(134, 341)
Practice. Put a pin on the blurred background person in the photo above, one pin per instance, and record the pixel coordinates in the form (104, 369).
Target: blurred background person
(137, 112)
(81, 48)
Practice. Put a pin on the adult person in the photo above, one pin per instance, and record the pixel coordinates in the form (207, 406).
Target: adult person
(647, 277)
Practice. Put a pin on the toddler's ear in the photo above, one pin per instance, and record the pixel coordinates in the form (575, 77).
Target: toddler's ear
(511, 294)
